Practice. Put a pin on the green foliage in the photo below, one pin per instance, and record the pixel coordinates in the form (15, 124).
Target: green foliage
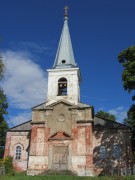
(3, 123)
(3, 103)
(22, 173)
(130, 121)
(3, 112)
(1, 162)
(127, 59)
(57, 177)
(2, 68)
(106, 115)
(9, 170)
(56, 172)
(7, 163)
(133, 157)
(3, 100)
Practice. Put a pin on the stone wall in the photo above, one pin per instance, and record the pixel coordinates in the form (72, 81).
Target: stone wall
(79, 146)
(65, 136)
(14, 139)
(111, 165)
(82, 149)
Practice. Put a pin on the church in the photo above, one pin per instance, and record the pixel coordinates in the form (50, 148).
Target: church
(64, 133)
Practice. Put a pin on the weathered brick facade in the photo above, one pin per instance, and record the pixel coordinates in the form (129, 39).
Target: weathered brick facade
(13, 140)
(81, 140)
(63, 133)
(61, 130)
(109, 135)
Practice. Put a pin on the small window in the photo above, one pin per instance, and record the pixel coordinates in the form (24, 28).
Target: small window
(102, 152)
(116, 152)
(63, 61)
(62, 87)
(18, 152)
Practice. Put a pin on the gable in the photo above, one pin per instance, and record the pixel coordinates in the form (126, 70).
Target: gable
(46, 106)
(66, 103)
(60, 135)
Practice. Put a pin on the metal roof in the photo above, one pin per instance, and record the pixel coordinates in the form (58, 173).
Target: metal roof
(65, 56)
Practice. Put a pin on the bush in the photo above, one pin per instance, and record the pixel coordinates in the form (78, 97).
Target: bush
(9, 170)
(1, 162)
(56, 172)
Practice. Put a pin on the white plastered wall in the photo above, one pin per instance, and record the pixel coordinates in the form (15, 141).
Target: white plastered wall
(73, 89)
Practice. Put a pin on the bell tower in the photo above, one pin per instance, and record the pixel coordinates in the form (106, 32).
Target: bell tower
(64, 77)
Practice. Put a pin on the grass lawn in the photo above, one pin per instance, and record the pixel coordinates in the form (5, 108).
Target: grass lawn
(55, 177)
(22, 176)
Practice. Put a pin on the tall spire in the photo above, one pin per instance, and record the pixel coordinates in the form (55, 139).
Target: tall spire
(65, 57)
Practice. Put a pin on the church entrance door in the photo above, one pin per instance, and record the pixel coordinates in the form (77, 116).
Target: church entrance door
(60, 157)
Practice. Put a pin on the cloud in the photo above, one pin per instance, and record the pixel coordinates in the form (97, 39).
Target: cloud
(32, 47)
(120, 113)
(25, 82)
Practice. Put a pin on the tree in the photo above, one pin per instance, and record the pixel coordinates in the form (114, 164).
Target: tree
(3, 112)
(106, 115)
(2, 68)
(130, 120)
(127, 59)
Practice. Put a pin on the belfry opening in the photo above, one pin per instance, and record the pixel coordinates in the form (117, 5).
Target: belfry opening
(62, 87)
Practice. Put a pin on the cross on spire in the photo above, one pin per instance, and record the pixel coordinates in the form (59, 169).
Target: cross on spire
(66, 8)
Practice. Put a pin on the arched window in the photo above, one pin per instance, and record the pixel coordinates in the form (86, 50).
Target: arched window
(62, 87)
(116, 151)
(102, 152)
(18, 152)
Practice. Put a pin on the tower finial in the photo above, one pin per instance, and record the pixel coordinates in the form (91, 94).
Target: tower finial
(66, 12)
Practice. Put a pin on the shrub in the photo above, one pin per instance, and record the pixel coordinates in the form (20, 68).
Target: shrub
(9, 170)
(58, 172)
(1, 162)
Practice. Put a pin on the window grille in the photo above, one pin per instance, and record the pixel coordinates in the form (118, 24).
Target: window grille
(102, 152)
(116, 151)
(18, 152)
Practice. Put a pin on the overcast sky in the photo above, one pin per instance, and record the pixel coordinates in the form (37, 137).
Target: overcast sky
(30, 32)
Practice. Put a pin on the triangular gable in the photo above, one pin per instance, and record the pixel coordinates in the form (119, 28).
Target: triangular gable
(45, 105)
(60, 135)
(63, 102)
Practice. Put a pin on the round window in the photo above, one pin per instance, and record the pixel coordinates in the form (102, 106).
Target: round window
(63, 61)
(61, 118)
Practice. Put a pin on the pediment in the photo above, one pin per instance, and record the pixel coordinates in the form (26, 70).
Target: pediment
(66, 103)
(39, 106)
(45, 105)
(60, 135)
